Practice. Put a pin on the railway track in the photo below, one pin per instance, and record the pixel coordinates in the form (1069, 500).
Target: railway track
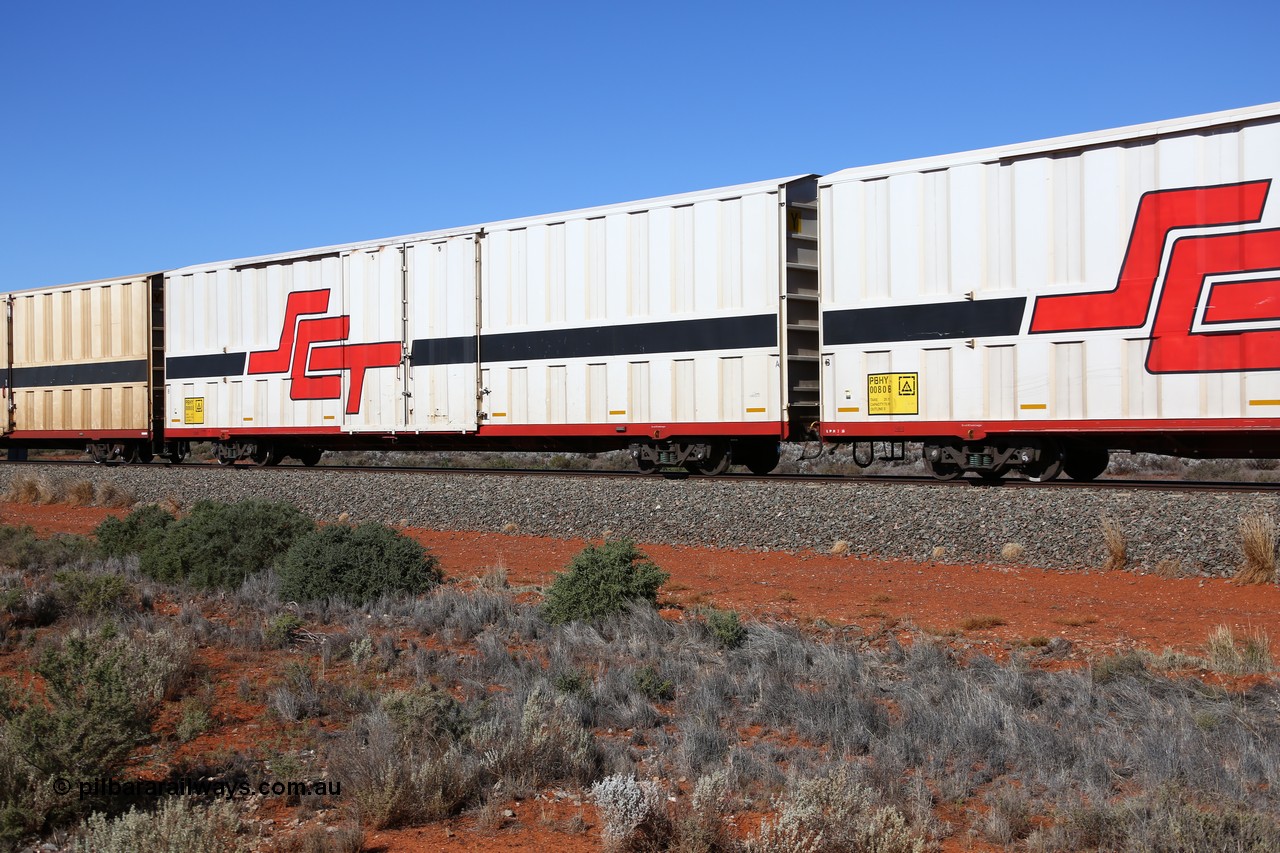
(1012, 482)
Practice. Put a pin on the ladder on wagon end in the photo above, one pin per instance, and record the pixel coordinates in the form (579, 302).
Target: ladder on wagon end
(800, 309)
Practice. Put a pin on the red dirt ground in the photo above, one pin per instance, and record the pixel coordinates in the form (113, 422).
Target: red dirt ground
(1098, 612)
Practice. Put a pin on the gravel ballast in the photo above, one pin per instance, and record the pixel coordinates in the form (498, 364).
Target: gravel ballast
(1057, 528)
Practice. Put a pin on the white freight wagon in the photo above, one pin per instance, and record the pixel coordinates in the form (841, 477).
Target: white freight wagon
(683, 327)
(1037, 305)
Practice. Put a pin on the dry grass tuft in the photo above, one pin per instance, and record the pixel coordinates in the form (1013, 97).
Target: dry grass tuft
(495, 579)
(510, 527)
(1246, 656)
(1117, 546)
(939, 552)
(1170, 568)
(170, 504)
(108, 494)
(840, 548)
(1077, 621)
(982, 623)
(1258, 542)
(344, 518)
(25, 490)
(81, 493)
(1012, 551)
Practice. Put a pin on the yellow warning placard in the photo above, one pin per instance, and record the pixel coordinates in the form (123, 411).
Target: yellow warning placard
(193, 410)
(893, 393)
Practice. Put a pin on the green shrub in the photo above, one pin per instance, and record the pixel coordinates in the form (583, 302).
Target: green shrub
(22, 550)
(219, 545)
(602, 579)
(93, 594)
(725, 626)
(425, 716)
(573, 682)
(1121, 665)
(282, 630)
(133, 534)
(101, 691)
(195, 720)
(357, 564)
(651, 683)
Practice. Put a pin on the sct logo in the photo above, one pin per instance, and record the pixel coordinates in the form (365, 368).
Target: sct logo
(298, 354)
(1210, 280)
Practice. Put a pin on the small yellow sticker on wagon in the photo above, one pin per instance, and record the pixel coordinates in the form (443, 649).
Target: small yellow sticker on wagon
(893, 394)
(193, 410)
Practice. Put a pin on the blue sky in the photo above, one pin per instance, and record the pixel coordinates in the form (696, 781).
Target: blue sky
(146, 136)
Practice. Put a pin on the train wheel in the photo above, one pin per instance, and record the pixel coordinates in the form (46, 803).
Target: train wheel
(1047, 467)
(646, 466)
(100, 453)
(310, 456)
(717, 463)
(943, 470)
(265, 455)
(1085, 462)
(138, 454)
(759, 460)
(991, 475)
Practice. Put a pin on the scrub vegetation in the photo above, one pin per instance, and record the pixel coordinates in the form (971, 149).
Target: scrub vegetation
(429, 699)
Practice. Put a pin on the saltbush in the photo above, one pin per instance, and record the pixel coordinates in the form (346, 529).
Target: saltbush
(22, 550)
(101, 691)
(119, 537)
(356, 564)
(603, 579)
(93, 594)
(727, 628)
(282, 631)
(218, 545)
(177, 826)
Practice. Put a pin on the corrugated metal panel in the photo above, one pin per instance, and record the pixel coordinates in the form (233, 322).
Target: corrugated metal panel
(81, 355)
(649, 268)
(957, 251)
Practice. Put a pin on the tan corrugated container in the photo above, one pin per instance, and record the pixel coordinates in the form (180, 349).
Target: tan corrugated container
(77, 360)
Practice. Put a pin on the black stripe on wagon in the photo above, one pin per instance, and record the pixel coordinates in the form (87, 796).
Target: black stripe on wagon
(983, 318)
(720, 333)
(443, 351)
(94, 373)
(195, 366)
